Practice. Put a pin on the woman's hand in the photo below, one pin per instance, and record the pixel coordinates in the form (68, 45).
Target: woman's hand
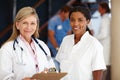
(45, 70)
(28, 78)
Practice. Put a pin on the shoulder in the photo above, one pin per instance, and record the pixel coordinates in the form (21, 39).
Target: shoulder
(91, 40)
(40, 42)
(43, 45)
(95, 42)
(7, 45)
(54, 18)
(106, 16)
(68, 37)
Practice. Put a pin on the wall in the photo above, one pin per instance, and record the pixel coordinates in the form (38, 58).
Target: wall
(6, 17)
(115, 56)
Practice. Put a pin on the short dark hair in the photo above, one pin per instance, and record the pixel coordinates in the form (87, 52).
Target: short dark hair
(65, 8)
(81, 9)
(105, 6)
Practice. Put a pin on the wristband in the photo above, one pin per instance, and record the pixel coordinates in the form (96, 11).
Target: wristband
(57, 48)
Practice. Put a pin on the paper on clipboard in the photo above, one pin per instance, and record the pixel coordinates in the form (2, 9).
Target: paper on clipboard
(48, 76)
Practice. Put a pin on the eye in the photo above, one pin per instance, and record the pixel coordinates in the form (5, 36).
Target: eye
(24, 22)
(32, 23)
(80, 20)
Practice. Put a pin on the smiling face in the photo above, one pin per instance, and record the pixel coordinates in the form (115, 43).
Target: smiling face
(27, 26)
(78, 23)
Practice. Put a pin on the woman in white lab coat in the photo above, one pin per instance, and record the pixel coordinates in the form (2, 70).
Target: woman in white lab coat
(104, 35)
(80, 54)
(104, 32)
(23, 54)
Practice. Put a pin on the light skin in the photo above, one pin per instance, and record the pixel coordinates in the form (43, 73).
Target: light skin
(78, 23)
(27, 27)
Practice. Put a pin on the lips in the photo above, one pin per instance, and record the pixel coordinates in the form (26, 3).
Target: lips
(28, 31)
(76, 28)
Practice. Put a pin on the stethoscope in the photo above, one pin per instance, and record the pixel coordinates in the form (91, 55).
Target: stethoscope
(21, 56)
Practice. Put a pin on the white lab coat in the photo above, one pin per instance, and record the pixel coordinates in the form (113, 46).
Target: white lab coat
(95, 23)
(104, 36)
(15, 64)
(81, 59)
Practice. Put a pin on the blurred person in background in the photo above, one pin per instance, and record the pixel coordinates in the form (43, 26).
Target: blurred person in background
(104, 35)
(58, 27)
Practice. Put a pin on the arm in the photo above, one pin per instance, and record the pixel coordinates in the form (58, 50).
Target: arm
(6, 65)
(97, 75)
(52, 38)
(98, 63)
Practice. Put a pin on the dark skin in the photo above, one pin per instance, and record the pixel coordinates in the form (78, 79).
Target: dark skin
(97, 75)
(79, 23)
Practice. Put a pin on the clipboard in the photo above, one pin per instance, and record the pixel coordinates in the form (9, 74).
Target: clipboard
(48, 76)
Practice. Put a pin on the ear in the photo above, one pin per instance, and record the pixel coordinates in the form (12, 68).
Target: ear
(88, 21)
(17, 25)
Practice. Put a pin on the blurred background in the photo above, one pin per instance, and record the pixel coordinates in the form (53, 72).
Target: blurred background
(45, 9)
(48, 8)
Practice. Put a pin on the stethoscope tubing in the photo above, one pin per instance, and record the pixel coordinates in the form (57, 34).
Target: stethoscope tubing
(16, 42)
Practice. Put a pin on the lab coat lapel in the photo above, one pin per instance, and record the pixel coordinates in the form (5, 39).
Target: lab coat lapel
(80, 48)
(26, 53)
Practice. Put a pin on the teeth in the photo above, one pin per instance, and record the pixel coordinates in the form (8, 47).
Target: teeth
(77, 27)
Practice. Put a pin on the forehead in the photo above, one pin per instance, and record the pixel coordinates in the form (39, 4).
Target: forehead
(30, 18)
(77, 15)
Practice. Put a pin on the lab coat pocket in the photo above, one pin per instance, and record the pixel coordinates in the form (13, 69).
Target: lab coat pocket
(19, 63)
(19, 59)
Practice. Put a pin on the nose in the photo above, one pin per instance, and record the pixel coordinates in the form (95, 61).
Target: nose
(28, 25)
(76, 23)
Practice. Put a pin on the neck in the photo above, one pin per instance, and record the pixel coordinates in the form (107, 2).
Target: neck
(28, 39)
(77, 38)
